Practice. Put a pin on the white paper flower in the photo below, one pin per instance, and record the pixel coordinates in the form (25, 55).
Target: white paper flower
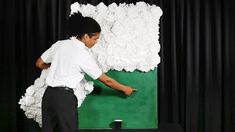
(112, 7)
(88, 10)
(120, 13)
(74, 8)
(29, 114)
(83, 90)
(40, 82)
(101, 12)
(30, 90)
(44, 74)
(132, 12)
(29, 100)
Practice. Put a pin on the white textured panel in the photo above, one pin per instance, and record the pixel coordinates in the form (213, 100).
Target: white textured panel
(129, 37)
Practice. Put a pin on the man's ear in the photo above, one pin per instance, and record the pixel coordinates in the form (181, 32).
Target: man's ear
(86, 36)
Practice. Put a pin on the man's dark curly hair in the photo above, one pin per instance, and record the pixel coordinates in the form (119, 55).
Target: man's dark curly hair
(77, 25)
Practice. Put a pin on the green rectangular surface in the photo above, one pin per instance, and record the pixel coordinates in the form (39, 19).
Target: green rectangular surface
(104, 105)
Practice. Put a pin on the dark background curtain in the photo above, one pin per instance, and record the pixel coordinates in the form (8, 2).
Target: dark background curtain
(197, 68)
(196, 73)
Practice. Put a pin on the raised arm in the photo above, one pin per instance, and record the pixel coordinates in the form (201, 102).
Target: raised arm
(116, 85)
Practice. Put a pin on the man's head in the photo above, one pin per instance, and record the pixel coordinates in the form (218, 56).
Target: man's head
(85, 29)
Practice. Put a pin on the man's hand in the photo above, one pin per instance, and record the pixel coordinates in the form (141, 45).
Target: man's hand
(42, 65)
(129, 90)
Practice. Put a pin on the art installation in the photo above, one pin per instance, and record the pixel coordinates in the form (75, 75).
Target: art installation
(129, 41)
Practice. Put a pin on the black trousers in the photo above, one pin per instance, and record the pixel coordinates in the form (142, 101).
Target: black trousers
(59, 110)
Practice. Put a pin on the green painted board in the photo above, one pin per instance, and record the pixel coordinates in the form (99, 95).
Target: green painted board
(104, 104)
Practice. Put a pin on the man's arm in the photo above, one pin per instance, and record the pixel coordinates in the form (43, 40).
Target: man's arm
(41, 64)
(116, 85)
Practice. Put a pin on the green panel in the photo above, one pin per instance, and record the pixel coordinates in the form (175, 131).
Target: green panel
(104, 105)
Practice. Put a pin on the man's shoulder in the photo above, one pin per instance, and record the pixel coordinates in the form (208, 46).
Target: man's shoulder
(63, 41)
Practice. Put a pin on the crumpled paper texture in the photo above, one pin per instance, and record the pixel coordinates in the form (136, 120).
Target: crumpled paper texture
(130, 35)
(30, 103)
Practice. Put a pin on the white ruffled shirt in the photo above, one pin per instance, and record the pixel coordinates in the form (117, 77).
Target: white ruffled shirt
(70, 60)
